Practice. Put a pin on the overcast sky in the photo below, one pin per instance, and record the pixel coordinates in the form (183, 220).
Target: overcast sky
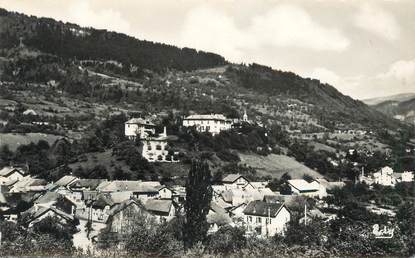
(365, 48)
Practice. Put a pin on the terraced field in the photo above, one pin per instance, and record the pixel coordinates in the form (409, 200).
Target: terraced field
(276, 165)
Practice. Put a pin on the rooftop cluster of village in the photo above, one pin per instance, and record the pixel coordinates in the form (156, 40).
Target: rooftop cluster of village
(103, 205)
(110, 204)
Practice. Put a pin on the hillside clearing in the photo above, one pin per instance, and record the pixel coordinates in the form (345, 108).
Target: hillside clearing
(14, 140)
(276, 165)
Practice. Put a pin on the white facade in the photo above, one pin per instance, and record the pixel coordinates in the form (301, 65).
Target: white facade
(384, 177)
(268, 226)
(407, 176)
(310, 189)
(157, 150)
(165, 193)
(15, 176)
(138, 127)
(214, 123)
(240, 183)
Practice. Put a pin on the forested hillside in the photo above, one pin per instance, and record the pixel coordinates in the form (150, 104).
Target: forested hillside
(72, 41)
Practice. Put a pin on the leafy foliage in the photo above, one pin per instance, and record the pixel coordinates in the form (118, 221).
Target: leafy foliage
(197, 205)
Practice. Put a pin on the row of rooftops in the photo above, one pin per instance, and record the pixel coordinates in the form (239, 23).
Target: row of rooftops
(147, 122)
(103, 185)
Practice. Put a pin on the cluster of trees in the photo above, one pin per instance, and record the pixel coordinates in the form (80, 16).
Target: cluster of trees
(333, 106)
(71, 41)
(45, 238)
(247, 138)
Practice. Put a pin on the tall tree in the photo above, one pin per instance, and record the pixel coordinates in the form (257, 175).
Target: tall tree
(198, 198)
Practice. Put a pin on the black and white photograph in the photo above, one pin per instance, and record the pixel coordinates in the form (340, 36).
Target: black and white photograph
(207, 128)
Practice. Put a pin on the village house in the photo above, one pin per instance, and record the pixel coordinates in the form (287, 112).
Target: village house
(85, 189)
(302, 187)
(165, 193)
(28, 184)
(122, 217)
(9, 174)
(98, 210)
(62, 186)
(45, 212)
(217, 217)
(213, 123)
(139, 128)
(51, 205)
(234, 181)
(384, 177)
(405, 176)
(141, 190)
(266, 219)
(56, 200)
(157, 149)
(237, 196)
(161, 210)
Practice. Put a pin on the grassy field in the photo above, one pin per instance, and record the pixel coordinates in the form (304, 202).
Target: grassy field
(100, 158)
(13, 140)
(322, 147)
(276, 165)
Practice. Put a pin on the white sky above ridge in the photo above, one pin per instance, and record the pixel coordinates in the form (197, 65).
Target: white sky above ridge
(363, 48)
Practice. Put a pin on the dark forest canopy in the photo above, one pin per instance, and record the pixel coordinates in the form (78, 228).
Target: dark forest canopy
(72, 41)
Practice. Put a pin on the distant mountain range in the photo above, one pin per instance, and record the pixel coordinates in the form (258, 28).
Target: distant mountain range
(395, 98)
(133, 58)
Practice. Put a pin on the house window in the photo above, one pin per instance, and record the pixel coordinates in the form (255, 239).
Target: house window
(258, 220)
(207, 128)
(158, 147)
(149, 147)
(249, 218)
(160, 157)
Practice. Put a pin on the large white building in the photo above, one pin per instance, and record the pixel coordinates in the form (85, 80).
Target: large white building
(157, 149)
(213, 123)
(139, 127)
(384, 177)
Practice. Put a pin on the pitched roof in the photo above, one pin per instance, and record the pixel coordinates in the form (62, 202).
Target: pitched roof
(65, 180)
(159, 206)
(232, 178)
(140, 121)
(87, 183)
(121, 206)
(6, 171)
(110, 199)
(36, 213)
(132, 186)
(304, 186)
(48, 197)
(261, 208)
(29, 183)
(206, 117)
(218, 215)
